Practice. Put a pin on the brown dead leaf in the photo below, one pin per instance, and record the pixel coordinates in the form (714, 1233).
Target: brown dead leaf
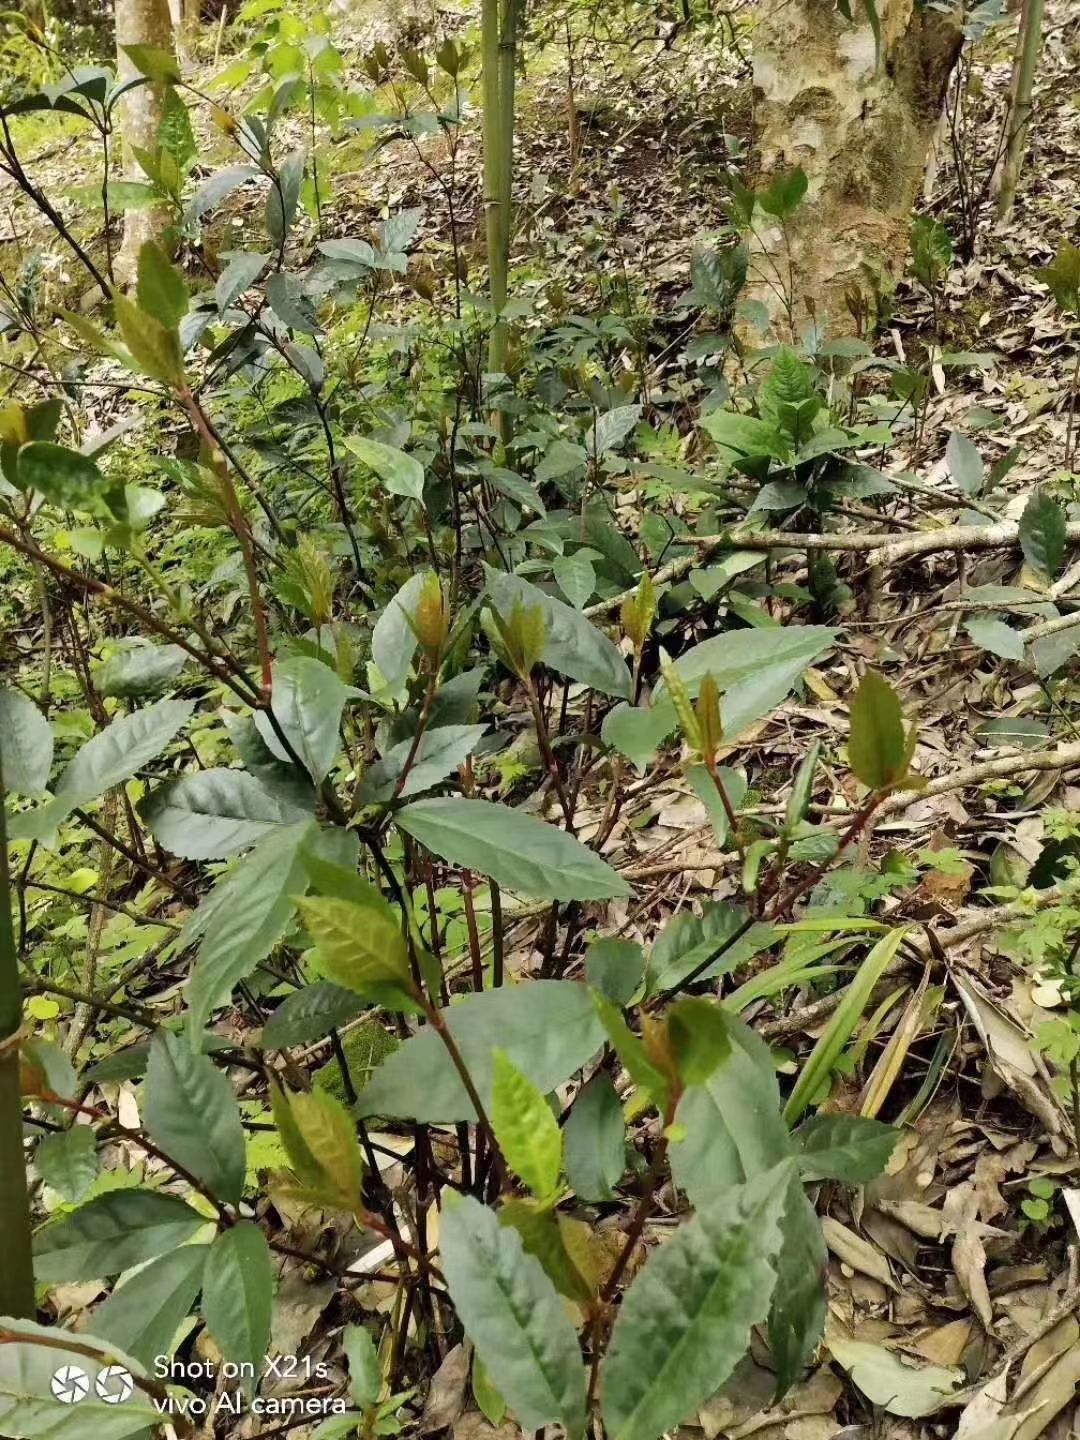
(446, 1394)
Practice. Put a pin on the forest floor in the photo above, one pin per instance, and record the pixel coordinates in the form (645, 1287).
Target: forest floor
(966, 1255)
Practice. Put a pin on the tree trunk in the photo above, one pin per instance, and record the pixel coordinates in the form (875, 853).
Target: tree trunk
(860, 124)
(140, 22)
(1025, 63)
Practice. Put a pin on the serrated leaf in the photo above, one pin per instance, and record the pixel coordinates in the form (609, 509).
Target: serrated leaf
(64, 477)
(154, 347)
(310, 1014)
(68, 1161)
(611, 429)
(616, 968)
(441, 750)
(576, 578)
(143, 1315)
(526, 1129)
(161, 289)
(548, 1028)
(111, 1233)
(361, 947)
(191, 1111)
(213, 814)
(520, 852)
(365, 1373)
(514, 1317)
(595, 1137)
(26, 745)
(307, 700)
(851, 1148)
(238, 1296)
(573, 646)
(686, 1319)
(138, 668)
(393, 641)
(242, 919)
(329, 1136)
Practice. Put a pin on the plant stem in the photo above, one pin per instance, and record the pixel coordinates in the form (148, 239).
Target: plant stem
(1029, 41)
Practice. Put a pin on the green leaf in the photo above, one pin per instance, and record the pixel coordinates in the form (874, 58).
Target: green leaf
(401, 474)
(931, 250)
(68, 1161)
(704, 787)
(109, 758)
(156, 64)
(191, 1111)
(154, 347)
(1063, 277)
(64, 477)
(243, 918)
(797, 1314)
(616, 968)
(877, 744)
(393, 641)
(784, 194)
(851, 1148)
(698, 1033)
(440, 751)
(218, 187)
(161, 289)
(136, 667)
(686, 1319)
(143, 1315)
(514, 1317)
(520, 852)
(997, 637)
(238, 1296)
(548, 1029)
(1042, 534)
(595, 1137)
(572, 646)
(111, 1233)
(688, 939)
(576, 578)
(365, 1373)
(31, 1410)
(527, 1131)
(838, 1032)
(630, 1048)
(26, 744)
(544, 1235)
(361, 947)
(746, 436)
(213, 814)
(323, 1147)
(243, 269)
(611, 429)
(310, 1014)
(307, 700)
(965, 464)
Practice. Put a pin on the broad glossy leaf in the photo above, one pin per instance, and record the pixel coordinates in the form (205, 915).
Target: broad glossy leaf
(574, 646)
(688, 939)
(111, 1233)
(64, 477)
(68, 1161)
(576, 578)
(238, 1296)
(162, 291)
(218, 187)
(596, 1140)
(611, 428)
(616, 968)
(548, 1028)
(310, 1014)
(520, 852)
(402, 474)
(851, 1148)
(514, 1317)
(143, 1315)
(526, 1128)
(26, 744)
(243, 269)
(685, 1322)
(213, 814)
(191, 1111)
(30, 1408)
(307, 701)
(797, 1314)
(243, 918)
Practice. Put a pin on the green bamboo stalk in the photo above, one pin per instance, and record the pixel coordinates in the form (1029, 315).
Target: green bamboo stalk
(1029, 43)
(17, 1269)
(494, 169)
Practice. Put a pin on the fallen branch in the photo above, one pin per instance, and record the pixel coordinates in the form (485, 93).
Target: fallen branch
(1063, 758)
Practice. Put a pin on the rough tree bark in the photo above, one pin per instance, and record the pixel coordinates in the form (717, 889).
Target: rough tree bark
(140, 22)
(861, 125)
